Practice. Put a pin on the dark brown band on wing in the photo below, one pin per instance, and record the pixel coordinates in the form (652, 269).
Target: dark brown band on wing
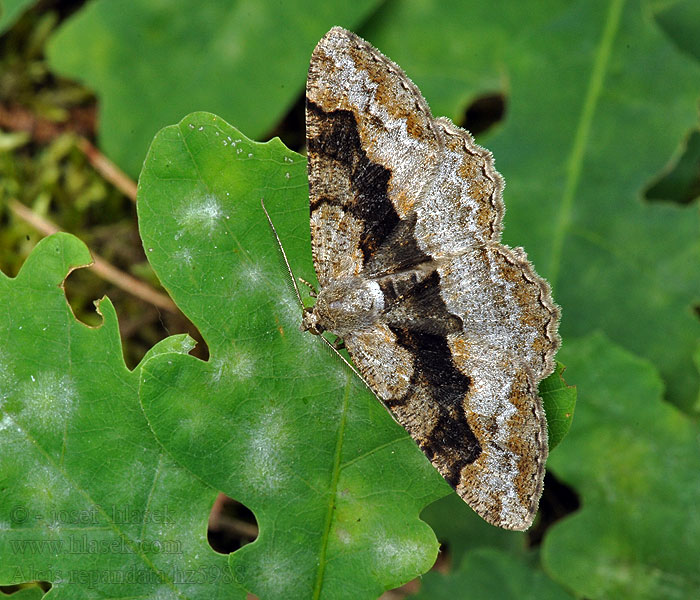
(416, 296)
(399, 252)
(451, 441)
(390, 249)
(338, 139)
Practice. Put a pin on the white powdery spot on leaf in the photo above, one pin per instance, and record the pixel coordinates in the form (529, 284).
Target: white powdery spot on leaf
(7, 381)
(165, 592)
(242, 365)
(237, 364)
(196, 425)
(201, 214)
(277, 571)
(183, 257)
(252, 274)
(54, 527)
(140, 470)
(248, 279)
(49, 401)
(289, 307)
(264, 464)
(343, 536)
(6, 423)
(404, 554)
(47, 489)
(219, 367)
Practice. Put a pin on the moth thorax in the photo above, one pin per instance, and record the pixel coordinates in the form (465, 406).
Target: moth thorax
(345, 305)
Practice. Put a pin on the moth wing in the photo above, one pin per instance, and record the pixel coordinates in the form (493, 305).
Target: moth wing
(375, 154)
(394, 190)
(506, 345)
(467, 394)
(500, 478)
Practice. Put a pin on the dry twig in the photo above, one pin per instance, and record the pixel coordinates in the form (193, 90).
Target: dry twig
(101, 267)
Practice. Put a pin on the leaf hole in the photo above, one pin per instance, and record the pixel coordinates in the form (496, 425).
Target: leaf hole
(292, 128)
(680, 180)
(231, 525)
(141, 324)
(558, 501)
(82, 287)
(9, 590)
(484, 112)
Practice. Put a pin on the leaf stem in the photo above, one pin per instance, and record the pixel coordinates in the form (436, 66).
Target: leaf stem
(107, 168)
(102, 268)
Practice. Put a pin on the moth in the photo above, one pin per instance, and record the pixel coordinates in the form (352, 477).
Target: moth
(450, 329)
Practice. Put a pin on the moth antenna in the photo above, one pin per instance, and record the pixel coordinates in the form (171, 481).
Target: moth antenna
(314, 293)
(331, 345)
(284, 254)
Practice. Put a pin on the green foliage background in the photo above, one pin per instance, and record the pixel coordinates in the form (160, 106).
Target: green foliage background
(601, 97)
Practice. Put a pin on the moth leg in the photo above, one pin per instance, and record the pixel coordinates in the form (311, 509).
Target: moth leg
(339, 343)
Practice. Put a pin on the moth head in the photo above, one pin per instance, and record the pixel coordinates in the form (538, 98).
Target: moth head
(310, 322)
(344, 306)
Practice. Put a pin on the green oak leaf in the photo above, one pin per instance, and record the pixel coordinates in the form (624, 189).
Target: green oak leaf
(696, 360)
(489, 573)
(10, 10)
(273, 419)
(152, 62)
(559, 401)
(90, 501)
(680, 20)
(598, 100)
(461, 530)
(635, 461)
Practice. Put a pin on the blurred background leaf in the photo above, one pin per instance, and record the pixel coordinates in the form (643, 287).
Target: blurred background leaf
(10, 10)
(680, 20)
(151, 62)
(489, 573)
(635, 460)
